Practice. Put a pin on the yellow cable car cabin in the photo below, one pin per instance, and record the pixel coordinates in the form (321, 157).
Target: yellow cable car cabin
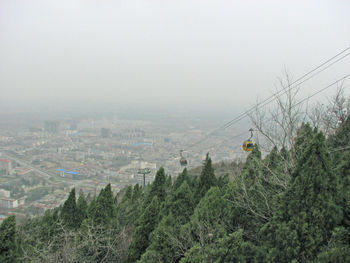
(248, 146)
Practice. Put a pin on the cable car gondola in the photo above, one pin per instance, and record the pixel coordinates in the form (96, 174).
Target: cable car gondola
(183, 161)
(248, 144)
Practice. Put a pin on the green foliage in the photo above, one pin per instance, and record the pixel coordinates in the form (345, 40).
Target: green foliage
(182, 204)
(308, 211)
(41, 237)
(228, 249)
(69, 213)
(292, 206)
(128, 194)
(163, 247)
(343, 171)
(103, 211)
(207, 178)
(158, 188)
(233, 248)
(251, 195)
(180, 179)
(81, 209)
(304, 136)
(145, 225)
(342, 136)
(338, 249)
(8, 242)
(210, 218)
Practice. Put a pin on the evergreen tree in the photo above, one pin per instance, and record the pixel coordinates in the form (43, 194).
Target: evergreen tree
(343, 172)
(158, 186)
(223, 181)
(91, 208)
(163, 247)
(207, 178)
(250, 197)
(69, 213)
(308, 212)
(228, 249)
(182, 204)
(136, 193)
(128, 194)
(168, 184)
(303, 138)
(234, 248)
(48, 226)
(342, 136)
(145, 225)
(82, 208)
(210, 218)
(181, 178)
(104, 210)
(338, 248)
(8, 243)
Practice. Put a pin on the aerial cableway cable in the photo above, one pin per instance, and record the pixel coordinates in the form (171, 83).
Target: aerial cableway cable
(295, 105)
(312, 95)
(312, 73)
(279, 94)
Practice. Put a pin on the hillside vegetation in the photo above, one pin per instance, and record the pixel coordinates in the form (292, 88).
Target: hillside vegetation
(292, 206)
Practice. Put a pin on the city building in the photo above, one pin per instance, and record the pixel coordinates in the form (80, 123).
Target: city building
(8, 203)
(4, 193)
(51, 126)
(7, 165)
(23, 171)
(105, 133)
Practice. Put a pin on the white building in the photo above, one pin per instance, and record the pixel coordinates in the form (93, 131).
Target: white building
(8, 203)
(4, 193)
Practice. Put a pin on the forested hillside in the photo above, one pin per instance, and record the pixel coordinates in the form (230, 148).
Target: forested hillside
(292, 206)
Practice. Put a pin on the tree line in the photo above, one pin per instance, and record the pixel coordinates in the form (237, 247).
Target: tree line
(291, 206)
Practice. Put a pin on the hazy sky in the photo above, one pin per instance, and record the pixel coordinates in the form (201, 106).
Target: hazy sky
(218, 53)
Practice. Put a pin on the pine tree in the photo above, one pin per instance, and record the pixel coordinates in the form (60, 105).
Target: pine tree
(8, 243)
(337, 249)
(104, 210)
(69, 213)
(308, 211)
(303, 138)
(48, 226)
(211, 216)
(231, 248)
(182, 204)
(158, 187)
(250, 196)
(136, 193)
(181, 178)
(82, 208)
(128, 194)
(343, 172)
(163, 247)
(342, 136)
(145, 225)
(234, 248)
(207, 178)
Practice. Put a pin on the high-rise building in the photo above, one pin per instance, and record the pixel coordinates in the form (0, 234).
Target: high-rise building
(7, 165)
(105, 133)
(51, 126)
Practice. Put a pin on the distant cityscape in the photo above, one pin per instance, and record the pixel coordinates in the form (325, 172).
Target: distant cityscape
(40, 162)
